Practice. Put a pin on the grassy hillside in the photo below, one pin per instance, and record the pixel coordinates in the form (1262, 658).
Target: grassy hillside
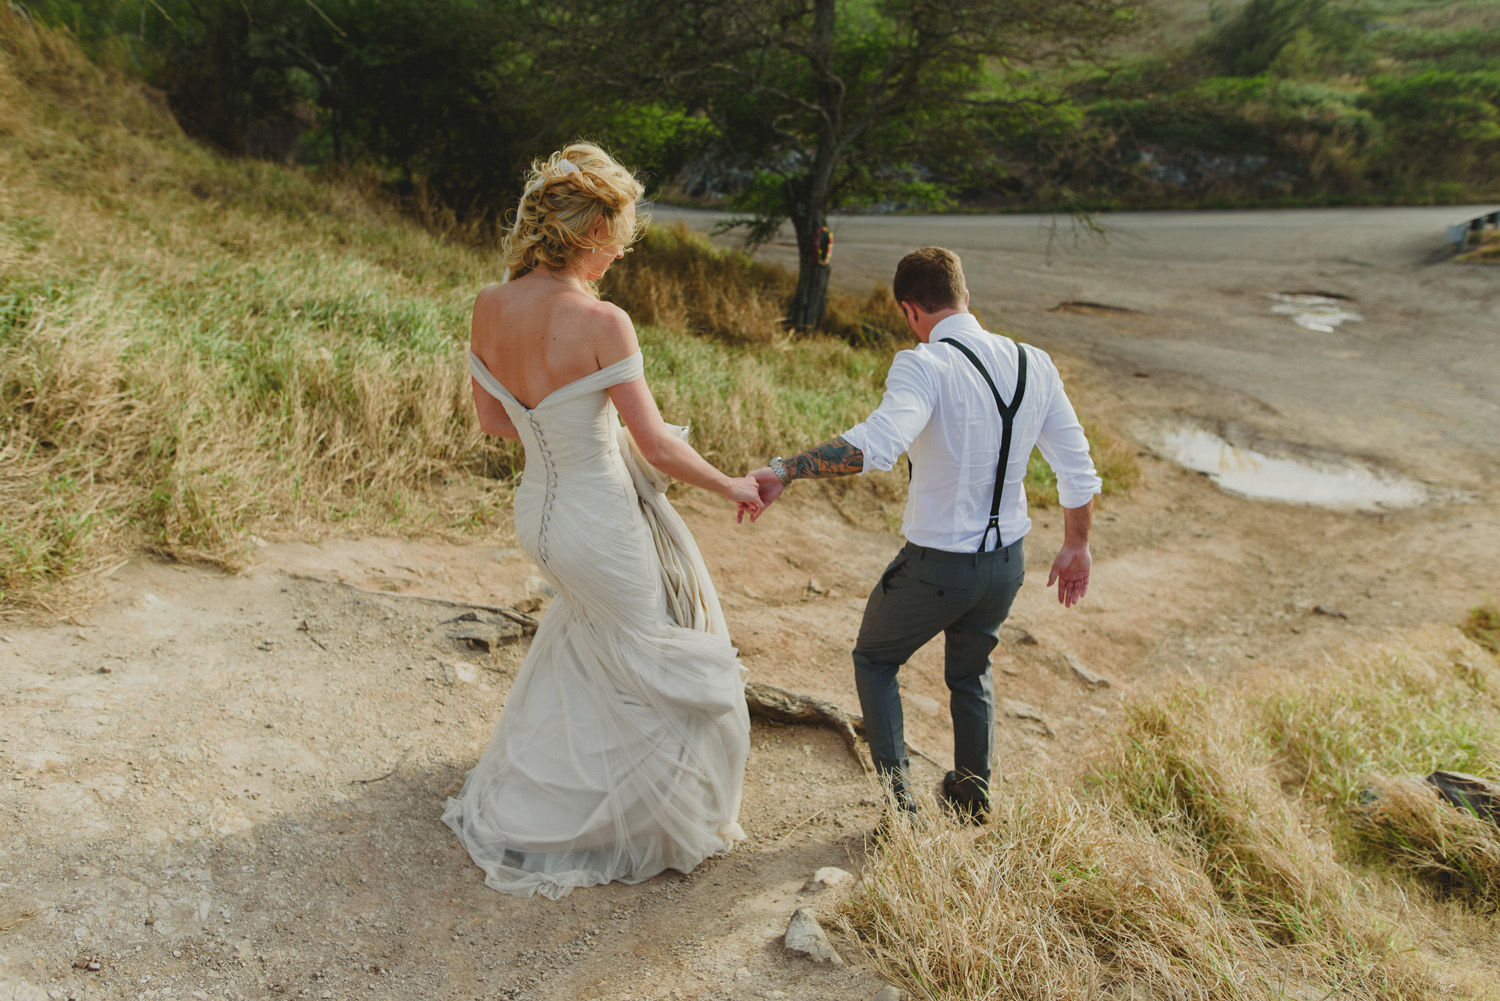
(1266, 842)
(194, 348)
(1261, 102)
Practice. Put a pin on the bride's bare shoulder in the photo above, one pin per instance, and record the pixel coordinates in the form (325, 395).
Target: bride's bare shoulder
(489, 301)
(607, 328)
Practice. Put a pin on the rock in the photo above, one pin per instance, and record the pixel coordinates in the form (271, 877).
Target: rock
(1329, 611)
(825, 878)
(1022, 710)
(888, 993)
(806, 937)
(488, 637)
(1478, 796)
(455, 673)
(1084, 674)
(538, 586)
(528, 605)
(932, 707)
(816, 588)
(1021, 637)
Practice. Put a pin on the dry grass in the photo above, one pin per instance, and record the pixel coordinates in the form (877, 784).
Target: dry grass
(1449, 849)
(1193, 862)
(1485, 249)
(1405, 708)
(1056, 898)
(1483, 626)
(680, 280)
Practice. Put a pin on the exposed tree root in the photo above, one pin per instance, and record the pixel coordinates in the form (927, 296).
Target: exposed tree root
(527, 623)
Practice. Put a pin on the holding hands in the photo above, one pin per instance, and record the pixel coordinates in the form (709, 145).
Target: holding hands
(745, 492)
(768, 488)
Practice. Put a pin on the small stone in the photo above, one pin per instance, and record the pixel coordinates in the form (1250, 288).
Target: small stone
(888, 993)
(455, 673)
(826, 877)
(538, 586)
(258, 542)
(1084, 674)
(743, 973)
(816, 588)
(806, 937)
(1332, 613)
(1019, 636)
(105, 669)
(1023, 710)
(489, 636)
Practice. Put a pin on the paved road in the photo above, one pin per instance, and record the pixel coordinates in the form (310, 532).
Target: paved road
(1415, 386)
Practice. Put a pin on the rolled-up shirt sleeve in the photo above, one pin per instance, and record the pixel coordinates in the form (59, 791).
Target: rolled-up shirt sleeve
(910, 395)
(1066, 449)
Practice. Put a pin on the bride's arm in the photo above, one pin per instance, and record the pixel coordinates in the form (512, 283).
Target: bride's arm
(653, 436)
(492, 416)
(669, 453)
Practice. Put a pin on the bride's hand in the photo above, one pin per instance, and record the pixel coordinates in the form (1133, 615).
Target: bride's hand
(746, 493)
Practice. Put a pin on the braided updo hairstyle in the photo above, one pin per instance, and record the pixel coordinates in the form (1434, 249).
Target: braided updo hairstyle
(559, 206)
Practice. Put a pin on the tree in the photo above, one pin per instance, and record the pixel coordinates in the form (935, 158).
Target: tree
(833, 103)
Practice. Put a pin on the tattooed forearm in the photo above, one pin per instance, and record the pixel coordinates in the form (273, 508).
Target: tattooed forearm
(832, 458)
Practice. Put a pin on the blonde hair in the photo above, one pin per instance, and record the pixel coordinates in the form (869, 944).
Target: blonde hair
(560, 205)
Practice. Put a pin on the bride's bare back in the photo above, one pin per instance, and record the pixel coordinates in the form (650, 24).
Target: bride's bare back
(539, 333)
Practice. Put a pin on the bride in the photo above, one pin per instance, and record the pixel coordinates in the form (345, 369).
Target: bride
(621, 749)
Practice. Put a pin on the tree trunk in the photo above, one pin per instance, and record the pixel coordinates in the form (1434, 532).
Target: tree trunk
(807, 194)
(811, 298)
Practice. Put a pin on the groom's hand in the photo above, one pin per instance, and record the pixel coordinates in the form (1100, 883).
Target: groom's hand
(1070, 572)
(771, 486)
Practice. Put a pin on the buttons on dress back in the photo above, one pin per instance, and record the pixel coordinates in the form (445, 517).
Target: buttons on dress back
(546, 454)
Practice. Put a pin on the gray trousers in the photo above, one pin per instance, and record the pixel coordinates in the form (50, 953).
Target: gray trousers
(923, 592)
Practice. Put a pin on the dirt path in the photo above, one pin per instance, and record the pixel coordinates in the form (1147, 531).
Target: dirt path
(229, 786)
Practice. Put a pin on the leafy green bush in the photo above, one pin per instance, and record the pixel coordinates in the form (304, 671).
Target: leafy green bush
(1438, 126)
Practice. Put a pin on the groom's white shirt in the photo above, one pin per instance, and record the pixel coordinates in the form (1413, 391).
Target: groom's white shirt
(938, 409)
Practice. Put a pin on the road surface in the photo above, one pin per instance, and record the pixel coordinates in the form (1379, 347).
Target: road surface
(1413, 387)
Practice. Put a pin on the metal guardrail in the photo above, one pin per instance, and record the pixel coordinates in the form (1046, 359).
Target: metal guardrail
(1460, 233)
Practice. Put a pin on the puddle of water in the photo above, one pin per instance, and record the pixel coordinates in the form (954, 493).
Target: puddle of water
(1252, 474)
(1314, 312)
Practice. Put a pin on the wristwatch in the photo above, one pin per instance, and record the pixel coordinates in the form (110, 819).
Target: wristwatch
(782, 473)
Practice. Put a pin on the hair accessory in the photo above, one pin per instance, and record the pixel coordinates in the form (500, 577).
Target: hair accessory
(568, 167)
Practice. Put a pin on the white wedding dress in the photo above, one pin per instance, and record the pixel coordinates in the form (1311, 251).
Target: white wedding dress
(621, 750)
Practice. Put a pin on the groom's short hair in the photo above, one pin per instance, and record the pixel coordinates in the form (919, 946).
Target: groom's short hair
(931, 278)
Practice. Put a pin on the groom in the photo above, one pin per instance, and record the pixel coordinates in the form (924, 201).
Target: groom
(966, 406)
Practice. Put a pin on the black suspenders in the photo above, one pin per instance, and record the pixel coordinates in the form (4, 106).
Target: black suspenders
(1007, 416)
